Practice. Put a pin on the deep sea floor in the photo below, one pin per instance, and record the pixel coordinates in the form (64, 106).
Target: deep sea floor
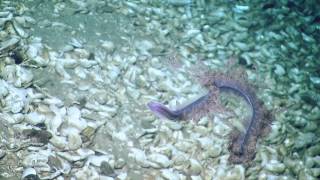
(76, 77)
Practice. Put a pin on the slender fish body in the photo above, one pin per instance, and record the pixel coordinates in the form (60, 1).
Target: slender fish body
(180, 114)
(162, 111)
(242, 146)
(249, 98)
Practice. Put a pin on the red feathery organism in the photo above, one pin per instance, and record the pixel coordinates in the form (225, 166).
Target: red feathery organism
(242, 145)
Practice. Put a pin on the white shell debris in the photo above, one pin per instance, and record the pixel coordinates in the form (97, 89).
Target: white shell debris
(240, 9)
(74, 141)
(59, 142)
(11, 118)
(34, 118)
(74, 119)
(3, 89)
(18, 75)
(108, 46)
(78, 155)
(55, 122)
(28, 172)
(140, 157)
(38, 160)
(159, 160)
(97, 160)
(16, 100)
(195, 166)
(9, 44)
(35, 47)
(275, 166)
(144, 46)
(86, 172)
(76, 43)
(179, 2)
(170, 174)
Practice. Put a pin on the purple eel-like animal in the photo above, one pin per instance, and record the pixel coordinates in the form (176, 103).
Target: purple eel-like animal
(242, 147)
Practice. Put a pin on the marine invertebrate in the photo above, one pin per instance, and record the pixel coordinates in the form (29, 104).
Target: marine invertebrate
(243, 143)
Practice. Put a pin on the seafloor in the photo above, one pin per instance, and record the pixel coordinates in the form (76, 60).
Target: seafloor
(76, 76)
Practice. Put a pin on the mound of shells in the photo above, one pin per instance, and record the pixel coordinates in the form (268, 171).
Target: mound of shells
(74, 107)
